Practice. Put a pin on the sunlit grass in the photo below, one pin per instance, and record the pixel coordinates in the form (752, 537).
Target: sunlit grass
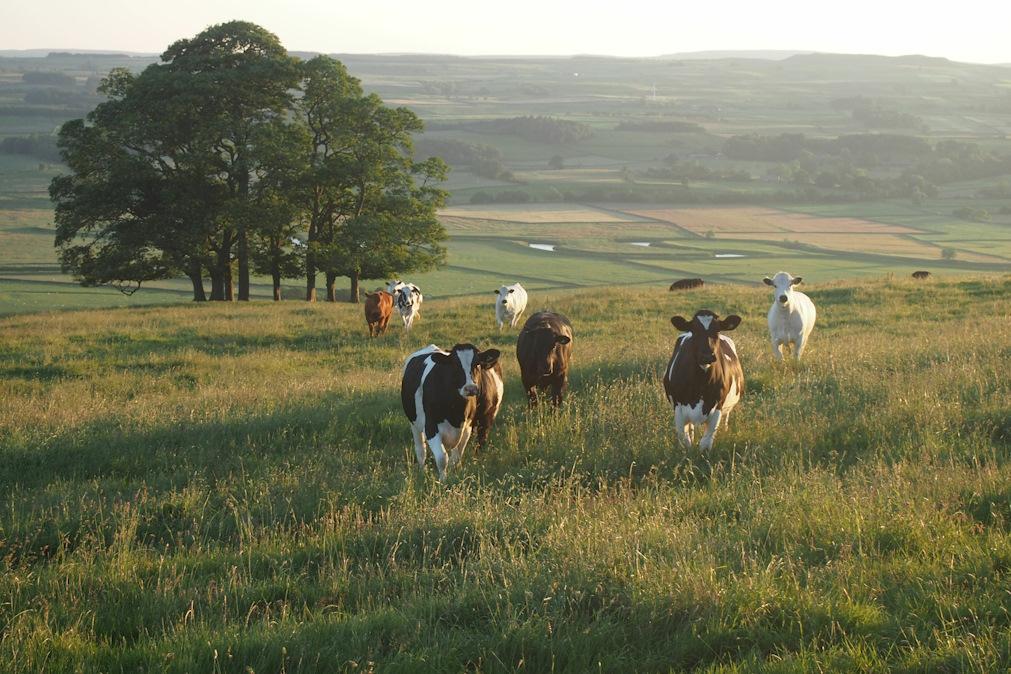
(210, 487)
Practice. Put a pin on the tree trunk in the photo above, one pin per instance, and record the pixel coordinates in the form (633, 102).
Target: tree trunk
(198, 282)
(243, 255)
(310, 274)
(277, 285)
(354, 288)
(243, 234)
(331, 290)
(217, 284)
(229, 283)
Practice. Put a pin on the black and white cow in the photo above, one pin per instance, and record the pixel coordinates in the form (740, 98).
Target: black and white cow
(704, 379)
(446, 396)
(407, 298)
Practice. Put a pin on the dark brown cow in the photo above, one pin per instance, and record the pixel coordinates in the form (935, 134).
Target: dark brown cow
(543, 349)
(686, 284)
(921, 274)
(704, 379)
(378, 309)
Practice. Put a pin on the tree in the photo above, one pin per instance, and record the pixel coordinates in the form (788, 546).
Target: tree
(136, 206)
(238, 77)
(366, 215)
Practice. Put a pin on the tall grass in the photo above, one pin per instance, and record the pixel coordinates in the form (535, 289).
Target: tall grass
(230, 488)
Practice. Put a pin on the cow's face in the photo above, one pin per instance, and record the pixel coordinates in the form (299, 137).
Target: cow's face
(782, 285)
(465, 360)
(505, 295)
(705, 326)
(407, 296)
(545, 344)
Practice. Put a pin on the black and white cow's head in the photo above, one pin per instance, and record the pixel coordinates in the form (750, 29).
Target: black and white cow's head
(407, 296)
(782, 284)
(703, 349)
(464, 360)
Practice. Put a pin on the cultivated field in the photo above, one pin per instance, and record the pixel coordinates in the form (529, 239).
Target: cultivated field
(231, 488)
(767, 221)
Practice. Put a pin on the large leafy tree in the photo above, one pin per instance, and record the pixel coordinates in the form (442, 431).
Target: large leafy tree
(239, 77)
(136, 206)
(208, 159)
(368, 216)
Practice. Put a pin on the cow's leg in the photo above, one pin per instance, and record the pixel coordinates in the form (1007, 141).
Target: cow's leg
(798, 346)
(557, 389)
(439, 454)
(531, 394)
(456, 454)
(500, 323)
(682, 426)
(706, 443)
(516, 319)
(776, 353)
(419, 447)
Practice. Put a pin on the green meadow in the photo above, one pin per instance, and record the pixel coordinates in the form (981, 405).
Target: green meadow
(232, 488)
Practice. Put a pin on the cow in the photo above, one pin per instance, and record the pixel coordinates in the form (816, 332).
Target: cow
(791, 316)
(704, 379)
(510, 303)
(920, 275)
(378, 309)
(543, 349)
(686, 284)
(407, 299)
(445, 394)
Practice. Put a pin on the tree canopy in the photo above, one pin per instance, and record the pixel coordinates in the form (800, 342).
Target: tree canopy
(230, 153)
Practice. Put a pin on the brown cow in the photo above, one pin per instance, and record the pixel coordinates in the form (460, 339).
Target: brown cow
(378, 309)
(543, 349)
(921, 274)
(686, 284)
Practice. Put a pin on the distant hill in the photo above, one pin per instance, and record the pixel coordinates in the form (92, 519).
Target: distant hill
(764, 54)
(43, 53)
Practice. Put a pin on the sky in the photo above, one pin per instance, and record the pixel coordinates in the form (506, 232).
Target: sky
(971, 30)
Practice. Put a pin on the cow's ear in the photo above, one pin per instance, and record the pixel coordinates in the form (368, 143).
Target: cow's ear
(442, 357)
(497, 291)
(488, 358)
(681, 324)
(512, 290)
(415, 290)
(796, 280)
(730, 322)
(563, 339)
(768, 281)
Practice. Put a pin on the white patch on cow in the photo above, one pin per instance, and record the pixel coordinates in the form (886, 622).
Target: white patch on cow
(706, 321)
(733, 395)
(499, 387)
(466, 357)
(677, 352)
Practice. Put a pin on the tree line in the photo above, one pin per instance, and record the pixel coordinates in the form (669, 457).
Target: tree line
(230, 158)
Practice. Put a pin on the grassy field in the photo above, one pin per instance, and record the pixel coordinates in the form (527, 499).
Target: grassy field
(230, 488)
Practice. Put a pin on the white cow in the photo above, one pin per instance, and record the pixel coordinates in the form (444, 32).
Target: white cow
(407, 298)
(791, 316)
(510, 303)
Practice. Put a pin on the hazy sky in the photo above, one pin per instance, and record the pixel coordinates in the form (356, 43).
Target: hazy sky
(970, 30)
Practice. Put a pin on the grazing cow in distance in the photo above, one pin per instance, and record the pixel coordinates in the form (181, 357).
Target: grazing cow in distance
(704, 379)
(407, 299)
(510, 303)
(378, 309)
(791, 316)
(920, 275)
(444, 393)
(686, 284)
(543, 349)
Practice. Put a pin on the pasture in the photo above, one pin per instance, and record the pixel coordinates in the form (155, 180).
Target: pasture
(231, 488)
